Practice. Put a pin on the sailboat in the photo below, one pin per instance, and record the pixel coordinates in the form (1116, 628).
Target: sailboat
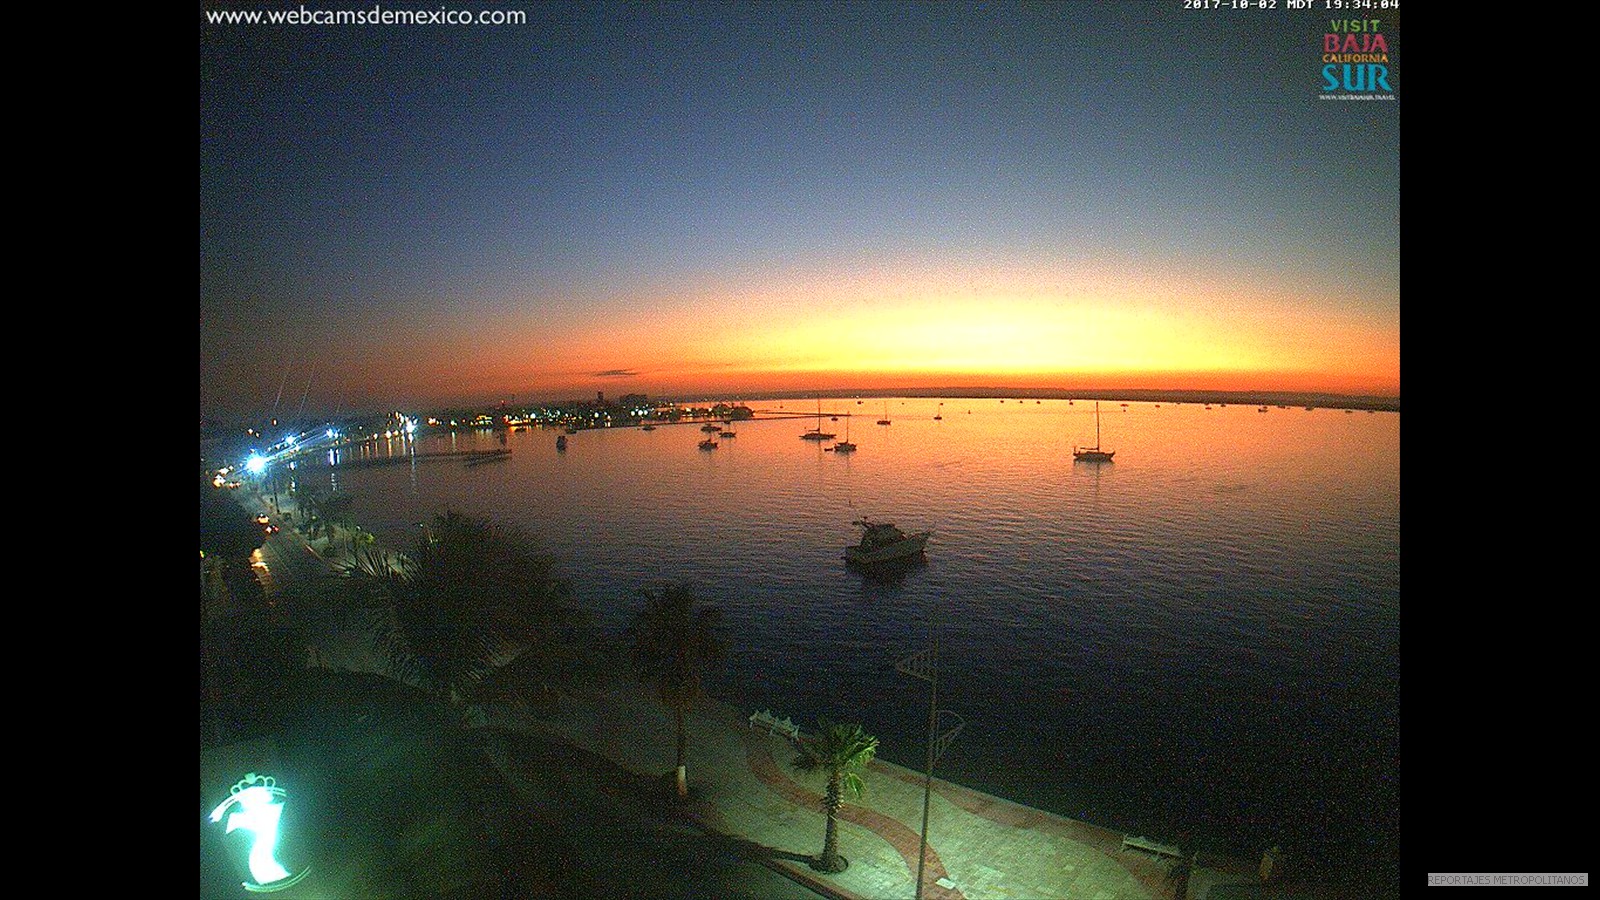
(845, 446)
(885, 419)
(939, 415)
(817, 434)
(1094, 454)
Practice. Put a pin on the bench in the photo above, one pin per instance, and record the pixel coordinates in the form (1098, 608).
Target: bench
(783, 726)
(1131, 842)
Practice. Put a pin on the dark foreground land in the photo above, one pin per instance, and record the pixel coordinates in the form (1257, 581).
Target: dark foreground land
(407, 803)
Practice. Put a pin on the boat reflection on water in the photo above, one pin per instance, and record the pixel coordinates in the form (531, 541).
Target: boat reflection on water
(891, 571)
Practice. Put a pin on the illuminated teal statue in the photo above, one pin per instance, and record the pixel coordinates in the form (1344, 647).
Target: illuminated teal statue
(260, 809)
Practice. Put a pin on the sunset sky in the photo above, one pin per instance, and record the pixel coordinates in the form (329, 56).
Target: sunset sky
(726, 198)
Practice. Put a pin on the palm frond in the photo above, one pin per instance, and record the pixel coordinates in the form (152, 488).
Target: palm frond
(838, 750)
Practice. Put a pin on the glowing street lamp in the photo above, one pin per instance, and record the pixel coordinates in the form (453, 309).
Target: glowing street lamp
(256, 465)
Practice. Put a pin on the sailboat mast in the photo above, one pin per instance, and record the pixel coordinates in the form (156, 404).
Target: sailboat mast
(1097, 424)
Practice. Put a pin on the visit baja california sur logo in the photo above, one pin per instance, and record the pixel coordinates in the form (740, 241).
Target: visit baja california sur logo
(1355, 61)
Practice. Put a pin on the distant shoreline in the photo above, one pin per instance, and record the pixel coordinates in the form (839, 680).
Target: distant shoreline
(1142, 395)
(1321, 400)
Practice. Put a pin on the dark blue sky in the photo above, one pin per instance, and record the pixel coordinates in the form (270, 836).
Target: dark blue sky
(401, 214)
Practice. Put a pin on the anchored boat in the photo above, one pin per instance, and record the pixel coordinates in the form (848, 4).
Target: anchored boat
(1094, 454)
(882, 542)
(817, 434)
(845, 446)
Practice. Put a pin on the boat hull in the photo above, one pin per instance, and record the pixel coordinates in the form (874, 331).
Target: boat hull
(909, 548)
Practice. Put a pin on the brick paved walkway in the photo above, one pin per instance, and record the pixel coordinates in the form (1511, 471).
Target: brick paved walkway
(741, 785)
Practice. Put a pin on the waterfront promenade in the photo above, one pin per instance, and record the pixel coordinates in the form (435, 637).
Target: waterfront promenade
(742, 786)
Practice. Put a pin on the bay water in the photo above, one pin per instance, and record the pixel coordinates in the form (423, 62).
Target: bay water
(1198, 641)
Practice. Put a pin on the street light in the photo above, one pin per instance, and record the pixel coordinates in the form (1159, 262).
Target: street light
(924, 664)
(256, 465)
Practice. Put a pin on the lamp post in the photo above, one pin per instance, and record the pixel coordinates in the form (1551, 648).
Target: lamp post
(924, 664)
(257, 466)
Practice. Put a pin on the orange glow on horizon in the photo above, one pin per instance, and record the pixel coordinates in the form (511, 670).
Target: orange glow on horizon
(1019, 328)
(876, 329)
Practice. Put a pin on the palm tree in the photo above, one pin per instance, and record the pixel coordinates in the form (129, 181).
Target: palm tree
(320, 513)
(841, 751)
(337, 512)
(675, 642)
(1179, 874)
(470, 602)
(309, 503)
